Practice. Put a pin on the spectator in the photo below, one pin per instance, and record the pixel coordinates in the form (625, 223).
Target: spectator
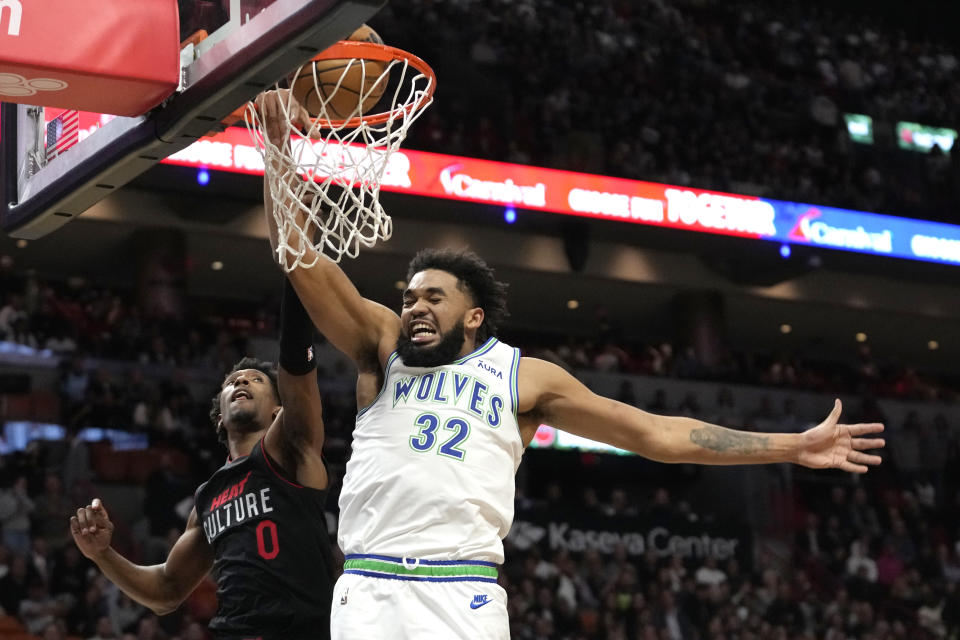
(13, 586)
(86, 616)
(906, 447)
(194, 631)
(40, 558)
(73, 387)
(104, 630)
(627, 395)
(610, 358)
(790, 420)
(863, 515)
(124, 613)
(858, 564)
(658, 404)
(900, 540)
(69, 574)
(148, 628)
(808, 541)
(77, 471)
(15, 509)
(889, 565)
(13, 318)
(38, 609)
(59, 342)
(709, 574)
(784, 610)
(55, 630)
(165, 488)
(670, 618)
(689, 406)
(53, 508)
(726, 413)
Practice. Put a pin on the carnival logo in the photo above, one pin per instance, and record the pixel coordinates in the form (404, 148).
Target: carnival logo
(799, 231)
(809, 229)
(465, 186)
(16, 13)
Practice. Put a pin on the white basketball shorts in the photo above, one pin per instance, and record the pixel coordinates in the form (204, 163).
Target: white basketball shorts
(384, 597)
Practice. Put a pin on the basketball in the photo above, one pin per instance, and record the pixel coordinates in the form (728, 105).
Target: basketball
(359, 78)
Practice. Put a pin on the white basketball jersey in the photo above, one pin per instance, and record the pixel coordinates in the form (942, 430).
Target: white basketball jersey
(434, 457)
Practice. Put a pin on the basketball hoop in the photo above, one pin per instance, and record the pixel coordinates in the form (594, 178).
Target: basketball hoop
(348, 150)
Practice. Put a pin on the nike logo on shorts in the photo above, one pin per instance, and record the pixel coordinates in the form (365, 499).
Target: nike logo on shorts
(479, 601)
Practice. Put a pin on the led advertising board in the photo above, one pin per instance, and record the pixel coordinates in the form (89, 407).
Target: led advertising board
(606, 198)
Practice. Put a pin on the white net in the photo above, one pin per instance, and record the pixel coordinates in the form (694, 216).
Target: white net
(325, 181)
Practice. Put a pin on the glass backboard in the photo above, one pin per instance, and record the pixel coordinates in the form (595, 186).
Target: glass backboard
(249, 45)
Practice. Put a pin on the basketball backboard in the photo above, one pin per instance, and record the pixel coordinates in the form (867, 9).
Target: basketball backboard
(250, 45)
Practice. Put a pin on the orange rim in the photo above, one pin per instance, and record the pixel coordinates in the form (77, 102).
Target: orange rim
(382, 53)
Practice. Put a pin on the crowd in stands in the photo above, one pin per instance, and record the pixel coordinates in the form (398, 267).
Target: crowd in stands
(74, 317)
(77, 321)
(876, 561)
(746, 96)
(863, 373)
(865, 562)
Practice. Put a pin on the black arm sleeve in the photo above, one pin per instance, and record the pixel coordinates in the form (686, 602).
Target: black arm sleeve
(296, 334)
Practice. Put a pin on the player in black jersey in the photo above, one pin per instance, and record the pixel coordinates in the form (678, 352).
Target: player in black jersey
(258, 522)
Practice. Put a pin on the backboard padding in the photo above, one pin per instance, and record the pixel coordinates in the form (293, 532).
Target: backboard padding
(246, 59)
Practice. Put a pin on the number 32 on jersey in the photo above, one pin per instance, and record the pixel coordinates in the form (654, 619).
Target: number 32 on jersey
(452, 434)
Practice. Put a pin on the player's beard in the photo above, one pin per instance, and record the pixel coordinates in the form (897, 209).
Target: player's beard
(245, 421)
(444, 352)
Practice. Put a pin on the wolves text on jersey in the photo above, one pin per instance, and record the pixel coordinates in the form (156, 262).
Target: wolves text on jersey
(456, 389)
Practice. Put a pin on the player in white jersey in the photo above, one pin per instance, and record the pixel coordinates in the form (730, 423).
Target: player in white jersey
(445, 411)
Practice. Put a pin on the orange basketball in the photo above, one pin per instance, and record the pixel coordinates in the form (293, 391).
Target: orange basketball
(357, 78)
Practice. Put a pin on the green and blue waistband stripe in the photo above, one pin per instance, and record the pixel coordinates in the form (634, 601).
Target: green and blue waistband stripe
(393, 568)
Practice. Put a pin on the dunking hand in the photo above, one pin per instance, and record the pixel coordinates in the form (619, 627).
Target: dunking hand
(275, 108)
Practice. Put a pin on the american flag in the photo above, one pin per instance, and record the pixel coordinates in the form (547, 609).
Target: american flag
(62, 133)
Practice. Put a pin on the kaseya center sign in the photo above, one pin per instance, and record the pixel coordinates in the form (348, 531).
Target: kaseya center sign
(552, 531)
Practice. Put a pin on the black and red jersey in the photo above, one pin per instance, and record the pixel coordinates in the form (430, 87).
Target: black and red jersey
(273, 559)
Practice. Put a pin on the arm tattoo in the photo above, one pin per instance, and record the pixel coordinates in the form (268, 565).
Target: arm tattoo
(718, 439)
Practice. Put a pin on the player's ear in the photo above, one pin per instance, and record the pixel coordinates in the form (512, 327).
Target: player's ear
(473, 319)
(276, 412)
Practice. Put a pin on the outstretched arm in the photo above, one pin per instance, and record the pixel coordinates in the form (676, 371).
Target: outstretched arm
(363, 330)
(550, 395)
(161, 587)
(296, 436)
